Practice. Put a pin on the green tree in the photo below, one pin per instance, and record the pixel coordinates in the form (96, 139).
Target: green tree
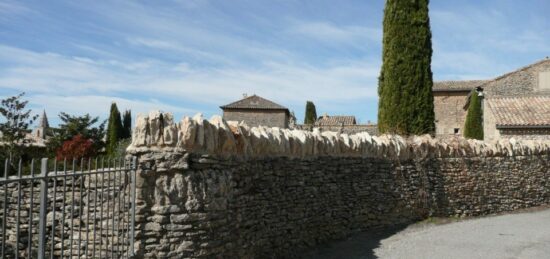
(405, 82)
(311, 113)
(72, 126)
(115, 132)
(127, 124)
(473, 127)
(15, 126)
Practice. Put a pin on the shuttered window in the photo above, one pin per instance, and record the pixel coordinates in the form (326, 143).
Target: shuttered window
(544, 80)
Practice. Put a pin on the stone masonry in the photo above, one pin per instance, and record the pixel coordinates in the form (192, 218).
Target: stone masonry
(206, 189)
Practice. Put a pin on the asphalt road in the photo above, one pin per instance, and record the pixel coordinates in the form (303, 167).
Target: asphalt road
(521, 235)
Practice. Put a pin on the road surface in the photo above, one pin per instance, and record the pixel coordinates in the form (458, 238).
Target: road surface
(519, 235)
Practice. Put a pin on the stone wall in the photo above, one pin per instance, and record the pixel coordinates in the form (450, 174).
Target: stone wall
(449, 113)
(490, 131)
(256, 117)
(524, 81)
(371, 129)
(535, 134)
(209, 190)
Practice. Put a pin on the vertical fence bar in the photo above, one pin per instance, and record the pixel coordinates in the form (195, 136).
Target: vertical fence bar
(52, 250)
(112, 190)
(101, 208)
(80, 209)
(72, 210)
(109, 205)
(120, 224)
(127, 208)
(5, 215)
(63, 207)
(124, 211)
(133, 172)
(18, 217)
(95, 208)
(88, 210)
(43, 209)
(31, 208)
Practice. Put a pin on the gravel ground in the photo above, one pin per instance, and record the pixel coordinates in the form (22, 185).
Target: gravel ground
(521, 235)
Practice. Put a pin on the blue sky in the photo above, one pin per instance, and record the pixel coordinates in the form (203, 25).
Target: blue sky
(191, 56)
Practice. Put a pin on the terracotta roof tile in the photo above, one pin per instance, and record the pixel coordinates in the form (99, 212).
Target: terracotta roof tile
(254, 102)
(521, 111)
(335, 120)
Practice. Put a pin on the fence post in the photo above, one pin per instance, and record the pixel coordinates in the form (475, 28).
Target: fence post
(133, 174)
(43, 209)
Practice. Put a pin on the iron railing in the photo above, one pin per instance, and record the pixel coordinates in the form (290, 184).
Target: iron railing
(81, 209)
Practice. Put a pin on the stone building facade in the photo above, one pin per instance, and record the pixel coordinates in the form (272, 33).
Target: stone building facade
(449, 100)
(257, 111)
(515, 104)
(345, 124)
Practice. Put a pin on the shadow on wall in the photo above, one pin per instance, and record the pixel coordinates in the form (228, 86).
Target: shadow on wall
(358, 246)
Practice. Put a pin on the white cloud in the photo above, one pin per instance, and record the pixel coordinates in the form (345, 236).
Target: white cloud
(82, 84)
(329, 32)
(97, 105)
(8, 7)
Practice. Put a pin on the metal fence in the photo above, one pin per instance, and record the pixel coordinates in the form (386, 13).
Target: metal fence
(81, 209)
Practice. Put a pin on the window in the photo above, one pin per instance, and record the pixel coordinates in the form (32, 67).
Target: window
(457, 130)
(544, 80)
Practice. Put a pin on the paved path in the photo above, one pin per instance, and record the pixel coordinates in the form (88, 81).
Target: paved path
(522, 235)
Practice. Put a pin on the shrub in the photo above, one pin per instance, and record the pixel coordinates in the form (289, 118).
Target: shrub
(76, 148)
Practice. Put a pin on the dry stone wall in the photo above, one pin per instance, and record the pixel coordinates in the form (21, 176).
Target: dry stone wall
(209, 189)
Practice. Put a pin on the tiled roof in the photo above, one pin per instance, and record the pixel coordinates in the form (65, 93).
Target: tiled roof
(457, 85)
(521, 111)
(254, 102)
(519, 70)
(335, 120)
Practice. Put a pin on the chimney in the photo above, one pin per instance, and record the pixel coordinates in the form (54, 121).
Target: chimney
(245, 95)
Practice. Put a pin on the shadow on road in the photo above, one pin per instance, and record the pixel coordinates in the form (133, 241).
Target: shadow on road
(360, 245)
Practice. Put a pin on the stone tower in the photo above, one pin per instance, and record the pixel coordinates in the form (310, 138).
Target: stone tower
(43, 126)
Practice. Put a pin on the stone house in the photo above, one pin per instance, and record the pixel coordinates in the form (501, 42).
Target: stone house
(516, 104)
(344, 124)
(449, 100)
(257, 111)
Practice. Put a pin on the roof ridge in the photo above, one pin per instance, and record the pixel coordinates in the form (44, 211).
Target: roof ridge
(259, 103)
(517, 70)
(458, 81)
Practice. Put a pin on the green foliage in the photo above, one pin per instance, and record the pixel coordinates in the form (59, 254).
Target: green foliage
(311, 113)
(115, 131)
(127, 124)
(77, 125)
(15, 125)
(121, 147)
(405, 82)
(473, 127)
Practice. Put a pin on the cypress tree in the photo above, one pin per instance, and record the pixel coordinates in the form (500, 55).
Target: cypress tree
(405, 82)
(473, 127)
(311, 113)
(127, 124)
(114, 130)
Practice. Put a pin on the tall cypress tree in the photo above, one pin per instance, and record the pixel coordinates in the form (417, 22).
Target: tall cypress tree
(127, 124)
(311, 113)
(114, 130)
(405, 82)
(473, 127)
